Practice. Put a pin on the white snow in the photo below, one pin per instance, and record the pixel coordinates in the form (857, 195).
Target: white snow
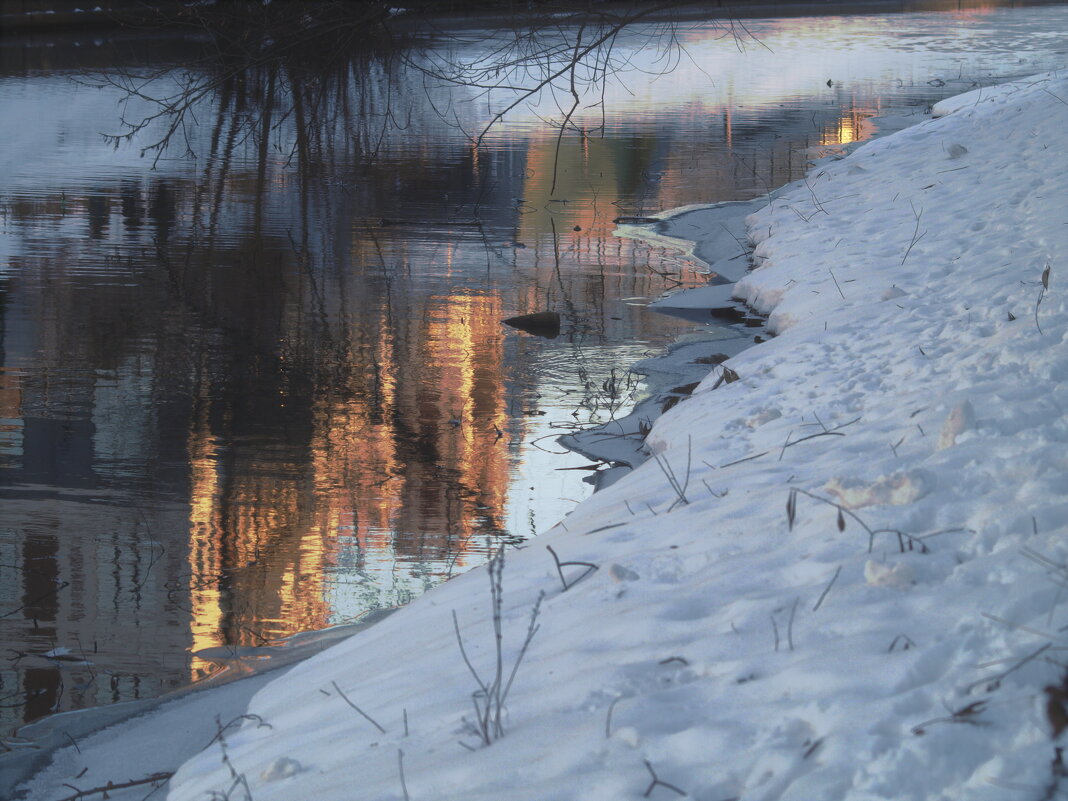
(741, 639)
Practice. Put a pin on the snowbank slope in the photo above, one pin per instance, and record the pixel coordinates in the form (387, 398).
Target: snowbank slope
(853, 655)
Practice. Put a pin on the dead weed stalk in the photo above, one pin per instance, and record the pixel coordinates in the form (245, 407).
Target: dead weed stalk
(490, 697)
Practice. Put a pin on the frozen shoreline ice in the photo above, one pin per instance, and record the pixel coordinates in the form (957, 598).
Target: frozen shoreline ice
(734, 646)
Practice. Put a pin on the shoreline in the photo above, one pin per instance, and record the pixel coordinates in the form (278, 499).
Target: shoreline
(37, 742)
(741, 651)
(728, 648)
(711, 233)
(620, 442)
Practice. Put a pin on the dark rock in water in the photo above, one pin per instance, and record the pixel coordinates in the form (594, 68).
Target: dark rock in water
(543, 324)
(636, 220)
(715, 358)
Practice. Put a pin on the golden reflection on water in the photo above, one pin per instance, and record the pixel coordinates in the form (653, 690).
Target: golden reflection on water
(851, 126)
(205, 562)
(956, 8)
(407, 461)
(272, 538)
(568, 180)
(10, 410)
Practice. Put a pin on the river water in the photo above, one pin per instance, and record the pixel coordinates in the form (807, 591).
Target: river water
(257, 383)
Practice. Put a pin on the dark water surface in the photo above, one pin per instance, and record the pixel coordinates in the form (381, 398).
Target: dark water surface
(260, 385)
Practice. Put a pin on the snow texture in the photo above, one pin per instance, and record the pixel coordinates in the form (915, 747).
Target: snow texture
(864, 637)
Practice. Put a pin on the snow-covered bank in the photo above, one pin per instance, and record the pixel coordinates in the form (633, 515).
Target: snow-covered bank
(740, 640)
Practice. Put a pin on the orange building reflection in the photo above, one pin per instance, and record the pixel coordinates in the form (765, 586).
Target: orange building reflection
(852, 125)
(10, 410)
(404, 468)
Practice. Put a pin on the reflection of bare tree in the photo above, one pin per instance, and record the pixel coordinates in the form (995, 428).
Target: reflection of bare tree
(250, 55)
(566, 57)
(347, 74)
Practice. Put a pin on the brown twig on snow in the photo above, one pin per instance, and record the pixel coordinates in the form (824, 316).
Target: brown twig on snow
(966, 714)
(827, 432)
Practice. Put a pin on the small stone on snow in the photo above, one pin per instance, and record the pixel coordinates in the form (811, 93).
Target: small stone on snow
(620, 573)
(281, 768)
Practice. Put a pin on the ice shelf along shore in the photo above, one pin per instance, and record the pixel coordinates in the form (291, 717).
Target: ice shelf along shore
(839, 577)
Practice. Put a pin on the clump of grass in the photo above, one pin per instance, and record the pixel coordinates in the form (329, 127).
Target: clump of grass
(966, 714)
(678, 486)
(490, 697)
(905, 541)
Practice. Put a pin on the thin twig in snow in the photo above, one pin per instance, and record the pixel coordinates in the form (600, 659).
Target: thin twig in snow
(827, 432)
(966, 714)
(840, 292)
(790, 624)
(916, 235)
(711, 491)
(827, 589)
(608, 717)
(901, 638)
(560, 565)
(493, 695)
(400, 769)
(155, 778)
(349, 702)
(657, 780)
(669, 473)
(1041, 295)
(993, 682)
(746, 459)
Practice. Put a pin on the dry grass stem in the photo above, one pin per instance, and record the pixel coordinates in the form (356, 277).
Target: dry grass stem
(656, 780)
(490, 697)
(590, 568)
(346, 699)
(154, 779)
(827, 589)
